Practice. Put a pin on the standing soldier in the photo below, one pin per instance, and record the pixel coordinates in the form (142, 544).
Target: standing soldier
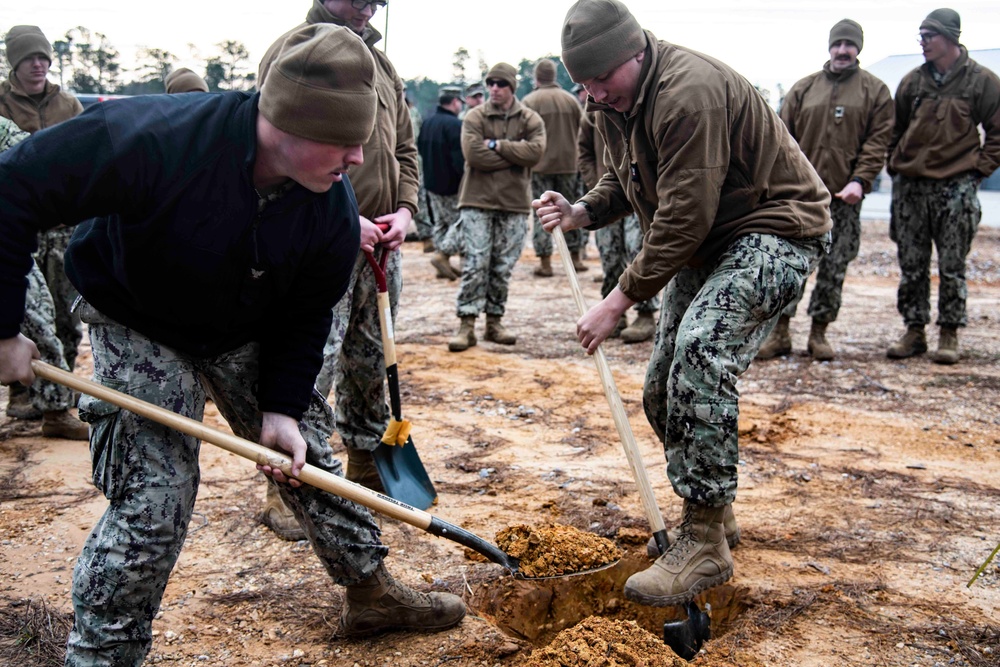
(34, 103)
(424, 228)
(842, 118)
(386, 186)
(183, 80)
(938, 159)
(556, 170)
(440, 146)
(474, 95)
(501, 140)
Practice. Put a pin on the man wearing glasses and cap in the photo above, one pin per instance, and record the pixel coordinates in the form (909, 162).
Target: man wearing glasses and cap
(387, 187)
(474, 96)
(937, 160)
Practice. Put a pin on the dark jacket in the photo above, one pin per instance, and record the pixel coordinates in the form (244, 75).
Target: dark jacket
(440, 146)
(180, 252)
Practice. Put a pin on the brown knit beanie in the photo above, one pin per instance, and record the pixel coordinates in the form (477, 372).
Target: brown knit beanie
(848, 30)
(321, 86)
(23, 41)
(504, 72)
(184, 80)
(598, 36)
(945, 21)
(545, 71)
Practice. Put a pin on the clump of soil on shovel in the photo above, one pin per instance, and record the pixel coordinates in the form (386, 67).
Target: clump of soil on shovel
(603, 642)
(556, 550)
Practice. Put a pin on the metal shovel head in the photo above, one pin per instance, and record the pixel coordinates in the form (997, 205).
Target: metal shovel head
(687, 637)
(518, 575)
(403, 474)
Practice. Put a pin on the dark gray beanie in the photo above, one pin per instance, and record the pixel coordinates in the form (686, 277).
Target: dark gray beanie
(598, 36)
(945, 21)
(848, 30)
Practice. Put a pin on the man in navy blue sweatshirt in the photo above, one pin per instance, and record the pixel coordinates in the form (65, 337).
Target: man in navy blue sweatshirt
(224, 230)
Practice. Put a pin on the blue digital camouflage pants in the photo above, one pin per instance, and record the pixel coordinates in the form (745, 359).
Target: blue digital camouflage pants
(353, 358)
(39, 326)
(568, 186)
(493, 241)
(827, 294)
(943, 213)
(150, 474)
(447, 230)
(618, 244)
(713, 321)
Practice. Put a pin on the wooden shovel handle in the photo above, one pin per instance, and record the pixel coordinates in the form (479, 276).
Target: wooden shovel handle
(614, 400)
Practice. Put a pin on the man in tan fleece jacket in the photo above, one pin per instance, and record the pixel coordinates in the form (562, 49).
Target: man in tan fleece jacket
(733, 216)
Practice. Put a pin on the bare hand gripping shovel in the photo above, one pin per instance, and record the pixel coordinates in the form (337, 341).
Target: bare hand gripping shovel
(310, 474)
(399, 466)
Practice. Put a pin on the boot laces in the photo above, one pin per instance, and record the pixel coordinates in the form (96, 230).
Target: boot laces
(403, 594)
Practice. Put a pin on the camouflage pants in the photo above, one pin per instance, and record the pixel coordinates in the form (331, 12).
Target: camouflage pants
(618, 244)
(150, 475)
(713, 321)
(39, 326)
(493, 242)
(567, 185)
(447, 231)
(50, 257)
(353, 359)
(944, 214)
(827, 294)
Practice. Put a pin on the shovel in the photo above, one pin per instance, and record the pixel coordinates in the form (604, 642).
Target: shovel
(310, 474)
(399, 467)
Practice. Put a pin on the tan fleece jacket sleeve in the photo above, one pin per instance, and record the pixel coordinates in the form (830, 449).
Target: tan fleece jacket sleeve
(406, 153)
(872, 156)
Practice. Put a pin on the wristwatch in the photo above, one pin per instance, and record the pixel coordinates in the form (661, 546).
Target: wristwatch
(492, 145)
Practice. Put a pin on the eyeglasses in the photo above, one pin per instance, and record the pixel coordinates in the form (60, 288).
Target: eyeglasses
(361, 4)
(499, 83)
(926, 37)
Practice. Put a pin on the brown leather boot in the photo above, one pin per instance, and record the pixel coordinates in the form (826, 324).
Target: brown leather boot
(732, 530)
(911, 343)
(444, 268)
(497, 333)
(466, 336)
(19, 404)
(817, 345)
(698, 560)
(382, 604)
(779, 343)
(63, 424)
(641, 329)
(361, 469)
(279, 518)
(544, 268)
(948, 351)
(578, 264)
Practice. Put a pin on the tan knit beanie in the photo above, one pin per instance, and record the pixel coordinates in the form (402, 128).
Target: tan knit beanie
(848, 30)
(545, 71)
(184, 80)
(23, 41)
(504, 72)
(321, 86)
(598, 36)
(945, 21)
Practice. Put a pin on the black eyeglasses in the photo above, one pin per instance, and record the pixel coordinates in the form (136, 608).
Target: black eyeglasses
(500, 83)
(361, 4)
(926, 37)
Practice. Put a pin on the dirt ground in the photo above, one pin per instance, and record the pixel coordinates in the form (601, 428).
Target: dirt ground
(869, 494)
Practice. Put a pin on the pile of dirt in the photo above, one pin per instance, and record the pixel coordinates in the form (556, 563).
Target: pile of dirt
(556, 550)
(598, 641)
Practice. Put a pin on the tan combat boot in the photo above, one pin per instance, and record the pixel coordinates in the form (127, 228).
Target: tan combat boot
(578, 264)
(497, 333)
(913, 342)
(62, 424)
(817, 345)
(544, 268)
(279, 518)
(619, 328)
(779, 343)
(444, 268)
(19, 404)
(729, 524)
(640, 330)
(948, 351)
(429, 245)
(361, 469)
(698, 560)
(466, 336)
(381, 604)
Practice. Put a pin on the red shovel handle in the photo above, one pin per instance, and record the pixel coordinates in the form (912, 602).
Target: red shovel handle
(378, 265)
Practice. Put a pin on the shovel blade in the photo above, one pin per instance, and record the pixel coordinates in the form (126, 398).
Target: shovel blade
(403, 475)
(688, 636)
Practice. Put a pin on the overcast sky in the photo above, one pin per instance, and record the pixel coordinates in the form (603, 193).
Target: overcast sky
(767, 41)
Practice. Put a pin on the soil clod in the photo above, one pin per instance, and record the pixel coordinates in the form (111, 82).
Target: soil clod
(556, 550)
